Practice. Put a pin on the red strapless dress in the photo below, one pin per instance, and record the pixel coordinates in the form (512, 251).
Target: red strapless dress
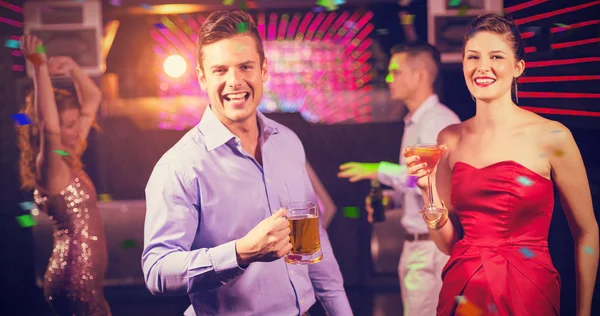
(502, 265)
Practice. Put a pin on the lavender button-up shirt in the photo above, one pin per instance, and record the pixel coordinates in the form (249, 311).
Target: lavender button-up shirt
(204, 194)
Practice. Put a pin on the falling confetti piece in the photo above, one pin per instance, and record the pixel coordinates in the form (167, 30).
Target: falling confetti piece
(128, 244)
(61, 152)
(526, 252)
(12, 44)
(242, 27)
(389, 78)
(27, 206)
(462, 10)
(227, 2)
(588, 249)
(556, 131)
(160, 26)
(104, 197)
(40, 49)
(351, 211)
(411, 181)
(146, 6)
(461, 299)
(394, 66)
(328, 4)
(524, 181)
(561, 25)
(21, 119)
(468, 309)
(251, 5)
(454, 3)
(559, 153)
(492, 308)
(26, 220)
(407, 19)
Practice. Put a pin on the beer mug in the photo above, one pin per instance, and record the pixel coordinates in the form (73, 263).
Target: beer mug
(304, 236)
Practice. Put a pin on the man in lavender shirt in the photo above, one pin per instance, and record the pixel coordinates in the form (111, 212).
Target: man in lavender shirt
(213, 229)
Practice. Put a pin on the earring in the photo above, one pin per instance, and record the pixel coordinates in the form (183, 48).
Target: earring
(472, 97)
(516, 91)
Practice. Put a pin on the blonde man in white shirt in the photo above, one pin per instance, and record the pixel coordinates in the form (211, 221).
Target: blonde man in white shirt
(412, 72)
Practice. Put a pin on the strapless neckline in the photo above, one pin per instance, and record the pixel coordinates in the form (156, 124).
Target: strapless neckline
(499, 163)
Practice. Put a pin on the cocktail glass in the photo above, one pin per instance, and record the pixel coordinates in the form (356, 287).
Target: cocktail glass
(429, 153)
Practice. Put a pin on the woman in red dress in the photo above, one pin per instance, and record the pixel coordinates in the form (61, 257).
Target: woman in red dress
(496, 180)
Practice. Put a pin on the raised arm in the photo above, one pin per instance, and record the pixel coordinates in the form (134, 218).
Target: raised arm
(88, 94)
(169, 264)
(568, 172)
(446, 236)
(51, 168)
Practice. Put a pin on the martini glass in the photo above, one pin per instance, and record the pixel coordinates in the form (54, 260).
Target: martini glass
(429, 153)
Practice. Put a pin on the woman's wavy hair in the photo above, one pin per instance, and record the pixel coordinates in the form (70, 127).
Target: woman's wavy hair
(29, 136)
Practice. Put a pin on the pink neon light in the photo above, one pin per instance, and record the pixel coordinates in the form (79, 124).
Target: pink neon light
(560, 111)
(184, 51)
(18, 67)
(304, 25)
(336, 25)
(261, 26)
(11, 22)
(272, 26)
(293, 26)
(11, 6)
(313, 26)
(323, 29)
(282, 26)
(351, 20)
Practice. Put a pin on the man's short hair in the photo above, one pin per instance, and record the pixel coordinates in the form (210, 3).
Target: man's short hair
(421, 49)
(225, 24)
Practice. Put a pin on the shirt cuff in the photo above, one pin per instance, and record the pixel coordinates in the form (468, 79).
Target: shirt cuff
(224, 261)
(389, 173)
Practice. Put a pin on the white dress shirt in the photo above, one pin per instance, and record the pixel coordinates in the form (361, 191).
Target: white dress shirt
(420, 127)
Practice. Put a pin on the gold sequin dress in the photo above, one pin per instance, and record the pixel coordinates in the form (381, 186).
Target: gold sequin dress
(73, 283)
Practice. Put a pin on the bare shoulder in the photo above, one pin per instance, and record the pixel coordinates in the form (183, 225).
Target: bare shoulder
(451, 133)
(553, 135)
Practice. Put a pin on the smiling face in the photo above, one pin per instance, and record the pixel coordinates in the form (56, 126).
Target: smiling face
(233, 77)
(490, 65)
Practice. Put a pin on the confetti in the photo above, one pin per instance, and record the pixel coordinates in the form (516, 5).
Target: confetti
(21, 119)
(492, 308)
(104, 197)
(556, 131)
(559, 153)
(61, 152)
(12, 44)
(146, 6)
(227, 2)
(394, 66)
(26, 220)
(462, 10)
(27, 206)
(526, 252)
(411, 181)
(407, 19)
(453, 3)
(467, 308)
(128, 244)
(242, 27)
(588, 249)
(40, 49)
(328, 4)
(160, 26)
(524, 181)
(461, 299)
(251, 5)
(561, 25)
(389, 78)
(351, 211)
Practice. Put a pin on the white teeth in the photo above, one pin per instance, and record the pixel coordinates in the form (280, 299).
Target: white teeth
(236, 95)
(484, 81)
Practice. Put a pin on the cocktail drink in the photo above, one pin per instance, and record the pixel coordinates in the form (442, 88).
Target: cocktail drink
(430, 154)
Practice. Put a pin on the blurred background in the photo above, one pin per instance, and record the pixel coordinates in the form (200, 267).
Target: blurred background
(328, 62)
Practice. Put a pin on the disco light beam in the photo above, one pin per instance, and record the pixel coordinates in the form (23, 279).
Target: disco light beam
(542, 16)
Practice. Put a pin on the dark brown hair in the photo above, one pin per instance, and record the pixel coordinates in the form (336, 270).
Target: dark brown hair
(416, 48)
(29, 135)
(225, 24)
(500, 25)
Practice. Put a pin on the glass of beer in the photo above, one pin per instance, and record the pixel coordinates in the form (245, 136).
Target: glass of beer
(304, 236)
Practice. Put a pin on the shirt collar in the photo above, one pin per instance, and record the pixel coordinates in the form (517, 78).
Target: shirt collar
(428, 103)
(216, 133)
